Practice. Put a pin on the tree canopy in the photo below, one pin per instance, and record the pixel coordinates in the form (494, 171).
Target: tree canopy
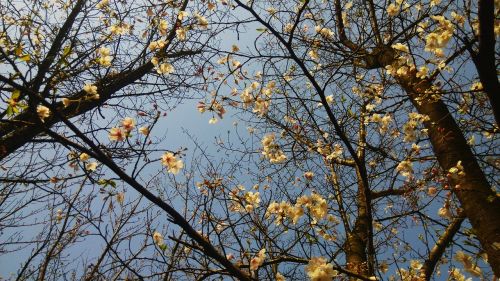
(355, 140)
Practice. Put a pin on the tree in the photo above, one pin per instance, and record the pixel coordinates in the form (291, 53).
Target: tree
(402, 61)
(367, 124)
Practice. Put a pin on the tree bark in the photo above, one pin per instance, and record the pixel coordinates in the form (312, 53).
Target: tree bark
(479, 202)
(485, 58)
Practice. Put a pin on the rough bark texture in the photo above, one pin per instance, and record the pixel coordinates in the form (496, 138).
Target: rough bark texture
(438, 249)
(485, 58)
(479, 202)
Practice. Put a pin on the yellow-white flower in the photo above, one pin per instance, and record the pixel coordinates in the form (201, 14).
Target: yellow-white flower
(43, 112)
(258, 260)
(128, 123)
(117, 134)
(392, 10)
(104, 56)
(173, 165)
(318, 270)
(181, 33)
(91, 166)
(102, 4)
(144, 130)
(158, 238)
(165, 68)
(84, 156)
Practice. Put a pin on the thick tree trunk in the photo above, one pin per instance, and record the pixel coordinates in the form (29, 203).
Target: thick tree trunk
(355, 249)
(357, 242)
(485, 60)
(479, 202)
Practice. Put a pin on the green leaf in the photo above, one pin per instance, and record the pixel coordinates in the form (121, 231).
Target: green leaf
(262, 30)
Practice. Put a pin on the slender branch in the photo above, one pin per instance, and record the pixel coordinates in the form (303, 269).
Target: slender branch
(438, 249)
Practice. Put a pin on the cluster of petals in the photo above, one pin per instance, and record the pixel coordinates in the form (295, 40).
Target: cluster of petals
(319, 270)
(43, 112)
(170, 161)
(258, 260)
(271, 150)
(409, 128)
(104, 58)
(158, 238)
(121, 133)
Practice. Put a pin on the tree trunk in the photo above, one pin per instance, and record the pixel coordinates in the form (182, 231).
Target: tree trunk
(479, 202)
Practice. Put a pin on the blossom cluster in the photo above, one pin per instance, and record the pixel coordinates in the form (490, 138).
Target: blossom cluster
(409, 128)
(258, 260)
(319, 270)
(162, 67)
(121, 133)
(170, 161)
(439, 38)
(104, 56)
(327, 151)
(271, 150)
(316, 205)
(260, 101)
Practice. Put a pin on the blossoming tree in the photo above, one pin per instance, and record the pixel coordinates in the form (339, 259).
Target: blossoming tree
(368, 151)
(383, 115)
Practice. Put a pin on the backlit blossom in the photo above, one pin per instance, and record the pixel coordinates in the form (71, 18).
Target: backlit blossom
(285, 210)
(104, 56)
(318, 270)
(456, 171)
(271, 150)
(165, 68)
(144, 130)
(261, 106)
(392, 9)
(59, 215)
(66, 102)
(324, 32)
(258, 260)
(120, 197)
(181, 33)
(401, 47)
(308, 175)
(439, 38)
(90, 89)
(252, 200)
(102, 4)
(92, 166)
(119, 29)
(405, 168)
(158, 238)
(182, 15)
(201, 20)
(313, 54)
(468, 263)
(163, 27)
(43, 112)
(84, 156)
(173, 164)
(445, 212)
(319, 206)
(128, 124)
(116, 134)
(157, 45)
